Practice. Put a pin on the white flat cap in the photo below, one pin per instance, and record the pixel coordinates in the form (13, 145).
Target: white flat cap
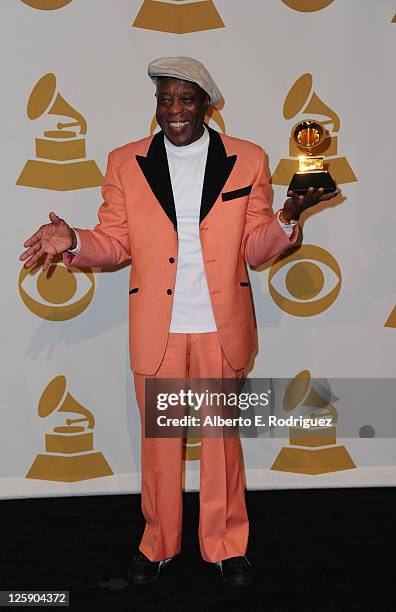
(188, 69)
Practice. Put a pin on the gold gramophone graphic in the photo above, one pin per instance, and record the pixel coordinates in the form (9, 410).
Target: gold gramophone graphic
(313, 450)
(178, 16)
(391, 320)
(65, 166)
(302, 100)
(394, 18)
(69, 455)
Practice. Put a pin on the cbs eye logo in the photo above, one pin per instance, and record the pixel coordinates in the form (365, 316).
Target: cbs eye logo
(312, 288)
(46, 5)
(58, 286)
(307, 6)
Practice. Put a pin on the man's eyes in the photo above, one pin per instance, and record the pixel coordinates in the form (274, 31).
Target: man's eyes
(184, 100)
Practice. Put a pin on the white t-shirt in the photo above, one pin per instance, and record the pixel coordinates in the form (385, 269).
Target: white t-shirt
(192, 309)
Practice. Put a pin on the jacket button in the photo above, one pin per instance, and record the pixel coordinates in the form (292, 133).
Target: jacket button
(169, 291)
(171, 260)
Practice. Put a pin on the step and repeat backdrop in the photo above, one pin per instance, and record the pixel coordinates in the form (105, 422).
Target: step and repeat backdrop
(74, 87)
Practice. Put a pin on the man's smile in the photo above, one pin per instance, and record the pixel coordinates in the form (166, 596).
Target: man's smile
(179, 126)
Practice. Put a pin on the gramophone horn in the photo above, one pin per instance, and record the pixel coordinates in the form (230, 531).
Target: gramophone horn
(41, 96)
(315, 400)
(302, 99)
(40, 101)
(296, 391)
(54, 398)
(71, 405)
(317, 106)
(51, 396)
(61, 107)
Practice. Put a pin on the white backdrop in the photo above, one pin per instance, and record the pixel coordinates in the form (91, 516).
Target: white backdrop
(100, 63)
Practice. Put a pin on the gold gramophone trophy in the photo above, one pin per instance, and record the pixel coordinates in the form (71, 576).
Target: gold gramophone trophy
(69, 453)
(303, 101)
(61, 163)
(308, 135)
(312, 450)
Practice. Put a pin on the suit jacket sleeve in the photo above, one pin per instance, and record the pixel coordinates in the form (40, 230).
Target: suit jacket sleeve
(263, 237)
(107, 245)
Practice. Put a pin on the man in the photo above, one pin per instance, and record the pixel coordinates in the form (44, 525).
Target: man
(190, 208)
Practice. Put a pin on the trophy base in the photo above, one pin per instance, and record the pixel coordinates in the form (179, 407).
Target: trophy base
(69, 469)
(301, 182)
(309, 461)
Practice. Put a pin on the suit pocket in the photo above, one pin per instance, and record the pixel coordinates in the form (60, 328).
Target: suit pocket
(243, 284)
(237, 193)
(135, 290)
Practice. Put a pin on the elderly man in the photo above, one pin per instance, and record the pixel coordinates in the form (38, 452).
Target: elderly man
(190, 208)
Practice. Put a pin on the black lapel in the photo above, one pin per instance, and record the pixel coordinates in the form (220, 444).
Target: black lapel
(156, 170)
(218, 169)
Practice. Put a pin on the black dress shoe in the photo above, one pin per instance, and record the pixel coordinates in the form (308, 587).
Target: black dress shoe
(236, 571)
(143, 571)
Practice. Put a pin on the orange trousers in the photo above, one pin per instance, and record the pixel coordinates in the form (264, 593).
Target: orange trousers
(223, 523)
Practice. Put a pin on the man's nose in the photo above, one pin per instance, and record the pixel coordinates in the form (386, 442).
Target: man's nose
(176, 106)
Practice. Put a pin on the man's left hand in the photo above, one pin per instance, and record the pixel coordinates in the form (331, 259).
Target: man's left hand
(296, 204)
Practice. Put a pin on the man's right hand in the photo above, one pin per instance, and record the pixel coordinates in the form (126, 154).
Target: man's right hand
(51, 239)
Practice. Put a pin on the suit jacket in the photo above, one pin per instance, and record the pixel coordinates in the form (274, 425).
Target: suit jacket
(137, 222)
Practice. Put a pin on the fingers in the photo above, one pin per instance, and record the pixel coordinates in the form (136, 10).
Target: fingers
(34, 238)
(332, 194)
(34, 258)
(31, 251)
(313, 196)
(48, 260)
(297, 199)
(38, 235)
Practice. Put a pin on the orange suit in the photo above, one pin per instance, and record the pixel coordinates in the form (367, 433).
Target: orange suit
(137, 222)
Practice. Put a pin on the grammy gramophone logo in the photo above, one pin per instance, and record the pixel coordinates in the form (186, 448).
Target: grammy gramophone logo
(178, 16)
(58, 293)
(306, 281)
(391, 320)
(303, 102)
(46, 5)
(69, 454)
(307, 6)
(60, 162)
(312, 450)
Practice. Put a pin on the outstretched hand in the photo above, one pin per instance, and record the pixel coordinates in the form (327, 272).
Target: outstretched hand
(296, 204)
(51, 239)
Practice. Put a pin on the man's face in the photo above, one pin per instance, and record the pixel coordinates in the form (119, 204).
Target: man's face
(181, 110)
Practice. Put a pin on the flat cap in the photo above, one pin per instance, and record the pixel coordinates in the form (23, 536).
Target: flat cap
(188, 69)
